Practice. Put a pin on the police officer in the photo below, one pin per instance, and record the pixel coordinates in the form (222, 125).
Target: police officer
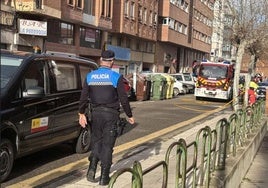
(106, 91)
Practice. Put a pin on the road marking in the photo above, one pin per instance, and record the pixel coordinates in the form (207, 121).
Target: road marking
(192, 109)
(63, 170)
(204, 103)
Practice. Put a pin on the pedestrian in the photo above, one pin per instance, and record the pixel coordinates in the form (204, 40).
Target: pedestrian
(252, 96)
(105, 90)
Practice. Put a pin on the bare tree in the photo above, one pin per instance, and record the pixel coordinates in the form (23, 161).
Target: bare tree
(249, 34)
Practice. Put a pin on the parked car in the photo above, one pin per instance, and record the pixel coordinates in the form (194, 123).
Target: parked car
(39, 104)
(179, 88)
(261, 90)
(263, 84)
(188, 77)
(186, 80)
(129, 89)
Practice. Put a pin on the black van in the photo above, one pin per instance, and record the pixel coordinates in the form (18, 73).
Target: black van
(39, 104)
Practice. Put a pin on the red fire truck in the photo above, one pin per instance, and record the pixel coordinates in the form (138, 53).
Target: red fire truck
(215, 80)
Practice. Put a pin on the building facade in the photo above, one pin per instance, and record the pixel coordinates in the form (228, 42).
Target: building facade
(135, 30)
(147, 35)
(222, 29)
(74, 27)
(184, 34)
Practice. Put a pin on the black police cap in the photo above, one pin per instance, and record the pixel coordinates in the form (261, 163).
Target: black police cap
(107, 55)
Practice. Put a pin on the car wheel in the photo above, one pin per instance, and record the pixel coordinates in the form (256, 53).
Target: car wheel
(7, 158)
(176, 92)
(83, 141)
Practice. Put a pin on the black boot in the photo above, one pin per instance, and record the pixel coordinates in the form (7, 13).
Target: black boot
(104, 177)
(92, 169)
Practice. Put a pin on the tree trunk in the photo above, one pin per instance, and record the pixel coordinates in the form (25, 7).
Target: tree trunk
(240, 53)
(252, 65)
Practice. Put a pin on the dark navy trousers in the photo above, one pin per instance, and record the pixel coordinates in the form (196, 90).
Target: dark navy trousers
(103, 135)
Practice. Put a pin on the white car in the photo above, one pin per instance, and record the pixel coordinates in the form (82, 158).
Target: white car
(179, 88)
(186, 79)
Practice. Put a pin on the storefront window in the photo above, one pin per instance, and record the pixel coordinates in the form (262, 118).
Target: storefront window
(90, 37)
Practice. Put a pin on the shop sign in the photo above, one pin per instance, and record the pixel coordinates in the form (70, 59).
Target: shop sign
(25, 5)
(32, 27)
(7, 18)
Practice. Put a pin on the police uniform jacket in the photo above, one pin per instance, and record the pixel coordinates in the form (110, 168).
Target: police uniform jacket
(105, 88)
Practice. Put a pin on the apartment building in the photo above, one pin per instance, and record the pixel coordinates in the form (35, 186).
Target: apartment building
(184, 34)
(135, 29)
(74, 27)
(147, 35)
(222, 28)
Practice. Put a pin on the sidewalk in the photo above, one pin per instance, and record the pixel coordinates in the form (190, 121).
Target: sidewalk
(147, 154)
(150, 153)
(257, 176)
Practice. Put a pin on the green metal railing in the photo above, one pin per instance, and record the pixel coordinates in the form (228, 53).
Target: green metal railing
(211, 149)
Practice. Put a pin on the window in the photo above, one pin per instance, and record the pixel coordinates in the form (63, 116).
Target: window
(132, 10)
(65, 75)
(103, 8)
(109, 4)
(179, 77)
(106, 8)
(180, 27)
(89, 7)
(38, 4)
(79, 3)
(34, 76)
(128, 42)
(119, 41)
(67, 33)
(145, 16)
(60, 32)
(185, 7)
(144, 49)
(155, 18)
(89, 37)
(126, 8)
(138, 46)
(140, 13)
(151, 18)
(71, 2)
(171, 23)
(164, 21)
(150, 47)
(185, 29)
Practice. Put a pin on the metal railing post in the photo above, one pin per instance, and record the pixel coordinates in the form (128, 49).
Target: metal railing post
(223, 129)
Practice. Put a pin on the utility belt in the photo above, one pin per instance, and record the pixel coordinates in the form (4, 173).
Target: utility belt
(118, 128)
(105, 109)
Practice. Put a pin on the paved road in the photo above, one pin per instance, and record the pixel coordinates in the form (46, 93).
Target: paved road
(154, 119)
